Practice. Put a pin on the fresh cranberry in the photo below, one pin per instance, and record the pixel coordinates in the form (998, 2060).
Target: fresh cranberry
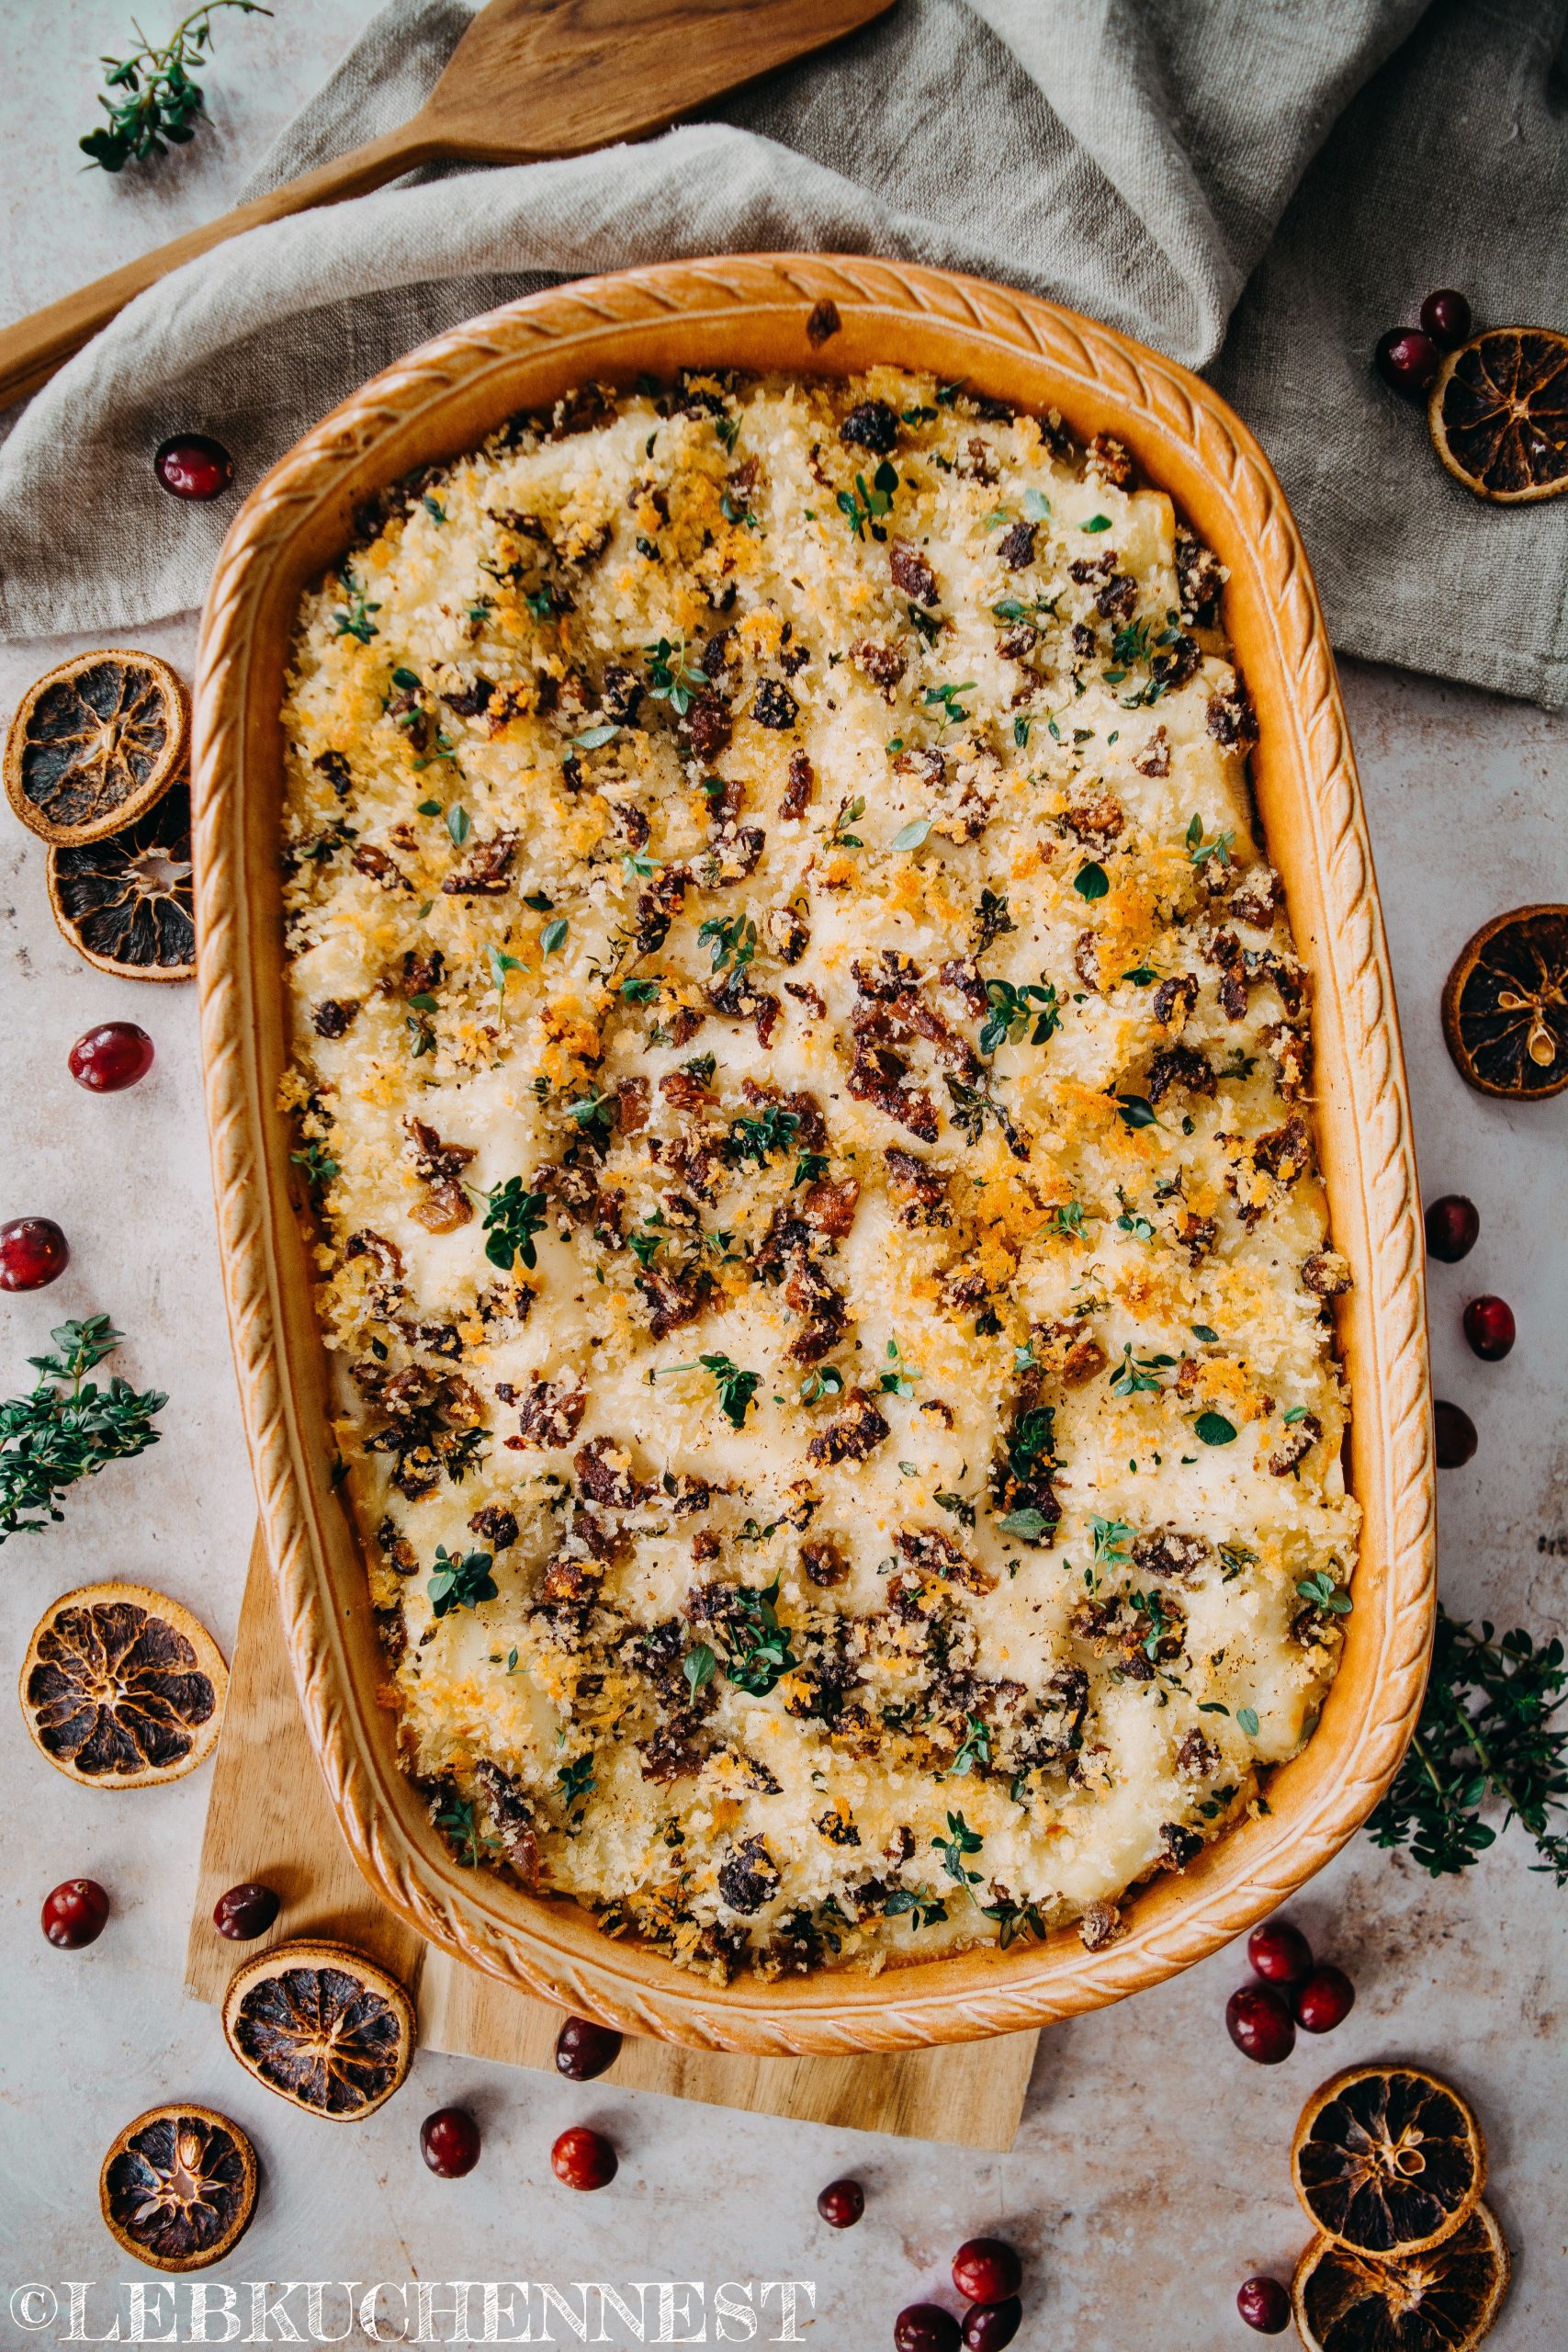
(584, 2049)
(988, 2326)
(1324, 2001)
(192, 465)
(1446, 317)
(1456, 1435)
(1489, 1328)
(33, 1251)
(986, 2270)
(1279, 1951)
(842, 2203)
(584, 2159)
(1264, 2305)
(1259, 2024)
(449, 2142)
(111, 1057)
(1407, 359)
(926, 2328)
(1453, 1224)
(75, 1913)
(245, 1912)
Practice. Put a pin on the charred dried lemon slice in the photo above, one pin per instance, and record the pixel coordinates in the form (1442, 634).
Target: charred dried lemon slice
(1506, 1005)
(178, 2187)
(125, 903)
(1387, 2160)
(95, 743)
(322, 2025)
(121, 1687)
(1442, 2300)
(1498, 415)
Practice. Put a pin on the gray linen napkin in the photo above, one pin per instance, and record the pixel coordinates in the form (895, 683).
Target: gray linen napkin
(1255, 186)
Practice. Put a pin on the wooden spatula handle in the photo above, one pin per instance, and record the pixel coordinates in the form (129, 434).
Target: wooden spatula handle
(32, 349)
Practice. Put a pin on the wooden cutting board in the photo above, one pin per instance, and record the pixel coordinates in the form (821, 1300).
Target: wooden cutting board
(268, 1818)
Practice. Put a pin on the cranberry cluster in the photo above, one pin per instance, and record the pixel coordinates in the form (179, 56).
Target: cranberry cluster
(1408, 357)
(33, 1249)
(1291, 1991)
(1453, 1226)
(987, 2273)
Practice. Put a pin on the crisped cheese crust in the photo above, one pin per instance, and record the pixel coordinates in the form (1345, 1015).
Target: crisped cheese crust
(803, 1076)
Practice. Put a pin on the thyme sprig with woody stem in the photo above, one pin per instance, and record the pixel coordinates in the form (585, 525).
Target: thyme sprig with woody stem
(57, 1435)
(153, 103)
(1488, 1734)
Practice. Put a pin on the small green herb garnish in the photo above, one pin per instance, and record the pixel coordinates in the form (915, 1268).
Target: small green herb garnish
(512, 1219)
(735, 1388)
(1031, 1010)
(697, 1667)
(577, 1783)
(1213, 1429)
(318, 1163)
(353, 618)
(461, 1583)
(733, 943)
(1133, 1376)
(1091, 881)
(1096, 523)
(848, 812)
(976, 1748)
(862, 505)
(1201, 852)
(55, 1436)
(1136, 1110)
(773, 1129)
(959, 1841)
(1487, 1733)
(162, 104)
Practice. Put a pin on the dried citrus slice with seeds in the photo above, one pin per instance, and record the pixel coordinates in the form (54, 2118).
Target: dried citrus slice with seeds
(1498, 415)
(1442, 2300)
(178, 2187)
(94, 744)
(1387, 2160)
(320, 2025)
(1506, 1005)
(125, 903)
(121, 1687)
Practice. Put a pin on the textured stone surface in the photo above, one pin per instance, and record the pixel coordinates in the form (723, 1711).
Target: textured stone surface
(1151, 2172)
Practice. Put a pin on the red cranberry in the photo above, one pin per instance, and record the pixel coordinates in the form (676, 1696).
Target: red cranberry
(245, 1912)
(192, 465)
(75, 1913)
(584, 2159)
(1407, 359)
(1489, 1328)
(1264, 2305)
(1453, 1224)
(449, 2142)
(1279, 1951)
(1446, 317)
(986, 2270)
(1324, 2001)
(842, 2203)
(33, 1251)
(584, 2049)
(926, 2328)
(1259, 2024)
(111, 1057)
(988, 2326)
(1455, 1436)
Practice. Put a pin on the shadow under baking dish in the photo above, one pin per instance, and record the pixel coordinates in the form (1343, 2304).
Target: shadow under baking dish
(762, 312)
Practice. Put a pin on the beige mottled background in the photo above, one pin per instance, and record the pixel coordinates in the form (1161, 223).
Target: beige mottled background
(1150, 2174)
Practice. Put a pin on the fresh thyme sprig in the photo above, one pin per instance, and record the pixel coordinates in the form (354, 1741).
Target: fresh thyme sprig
(57, 1435)
(1487, 1733)
(154, 104)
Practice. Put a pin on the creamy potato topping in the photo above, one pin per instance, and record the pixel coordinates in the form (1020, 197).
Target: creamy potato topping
(805, 1082)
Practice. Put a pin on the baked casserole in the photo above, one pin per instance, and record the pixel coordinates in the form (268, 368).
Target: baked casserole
(805, 1084)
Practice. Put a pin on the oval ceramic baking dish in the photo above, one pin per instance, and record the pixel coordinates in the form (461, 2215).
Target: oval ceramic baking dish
(811, 314)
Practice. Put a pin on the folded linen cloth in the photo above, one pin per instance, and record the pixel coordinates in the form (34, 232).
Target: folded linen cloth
(1256, 187)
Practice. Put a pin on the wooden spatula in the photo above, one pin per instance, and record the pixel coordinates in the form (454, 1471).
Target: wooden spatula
(529, 78)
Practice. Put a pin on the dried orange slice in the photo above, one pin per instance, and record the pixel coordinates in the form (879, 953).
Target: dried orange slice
(1387, 2160)
(121, 1687)
(178, 2187)
(322, 2025)
(1442, 2300)
(94, 744)
(125, 903)
(1498, 413)
(1506, 1005)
